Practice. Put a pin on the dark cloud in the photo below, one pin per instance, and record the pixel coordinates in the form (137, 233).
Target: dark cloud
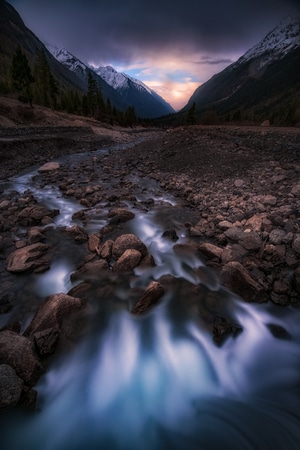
(123, 31)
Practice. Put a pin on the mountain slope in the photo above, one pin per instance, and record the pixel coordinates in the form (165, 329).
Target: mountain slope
(81, 70)
(122, 90)
(14, 33)
(146, 101)
(263, 83)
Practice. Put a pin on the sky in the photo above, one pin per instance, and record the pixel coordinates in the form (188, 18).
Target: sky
(173, 46)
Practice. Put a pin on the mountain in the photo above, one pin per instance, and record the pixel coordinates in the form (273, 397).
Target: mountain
(122, 89)
(263, 84)
(146, 101)
(14, 33)
(81, 70)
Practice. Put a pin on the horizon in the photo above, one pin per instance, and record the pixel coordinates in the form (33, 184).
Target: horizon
(171, 50)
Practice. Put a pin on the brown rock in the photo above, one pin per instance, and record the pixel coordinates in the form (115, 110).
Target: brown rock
(27, 258)
(250, 241)
(296, 190)
(18, 352)
(90, 269)
(49, 166)
(296, 243)
(210, 250)
(46, 341)
(60, 312)
(35, 214)
(78, 233)
(106, 250)
(125, 242)
(11, 387)
(128, 261)
(121, 215)
(277, 236)
(236, 278)
(151, 296)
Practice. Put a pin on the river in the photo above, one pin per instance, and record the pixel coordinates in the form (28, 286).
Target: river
(159, 381)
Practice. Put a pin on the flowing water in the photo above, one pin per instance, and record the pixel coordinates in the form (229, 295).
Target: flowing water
(159, 381)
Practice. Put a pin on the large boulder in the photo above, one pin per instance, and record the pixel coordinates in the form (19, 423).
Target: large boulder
(128, 261)
(27, 258)
(150, 297)
(61, 313)
(35, 214)
(18, 352)
(125, 242)
(11, 387)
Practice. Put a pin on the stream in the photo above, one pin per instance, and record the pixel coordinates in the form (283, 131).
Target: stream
(158, 381)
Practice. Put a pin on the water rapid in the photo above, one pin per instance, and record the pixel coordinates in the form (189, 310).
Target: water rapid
(159, 381)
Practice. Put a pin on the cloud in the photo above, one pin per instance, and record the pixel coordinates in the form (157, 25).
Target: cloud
(172, 43)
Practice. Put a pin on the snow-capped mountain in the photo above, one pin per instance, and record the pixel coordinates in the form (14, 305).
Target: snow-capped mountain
(134, 90)
(263, 83)
(281, 40)
(131, 92)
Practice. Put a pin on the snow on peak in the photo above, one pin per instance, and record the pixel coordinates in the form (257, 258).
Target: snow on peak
(282, 39)
(119, 80)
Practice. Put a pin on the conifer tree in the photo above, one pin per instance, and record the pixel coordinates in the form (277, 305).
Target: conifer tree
(46, 89)
(21, 76)
(91, 95)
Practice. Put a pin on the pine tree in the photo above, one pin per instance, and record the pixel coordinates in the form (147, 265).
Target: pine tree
(21, 76)
(92, 95)
(46, 89)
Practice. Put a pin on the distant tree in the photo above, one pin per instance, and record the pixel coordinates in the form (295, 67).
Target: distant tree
(191, 120)
(21, 76)
(92, 95)
(130, 118)
(46, 89)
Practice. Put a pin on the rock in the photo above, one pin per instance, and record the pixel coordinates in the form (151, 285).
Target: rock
(234, 252)
(278, 331)
(6, 302)
(90, 270)
(250, 241)
(233, 233)
(296, 243)
(34, 235)
(225, 224)
(269, 200)
(127, 261)
(255, 222)
(223, 328)
(106, 250)
(236, 278)
(18, 352)
(78, 233)
(125, 242)
(62, 313)
(49, 166)
(265, 123)
(170, 234)
(120, 215)
(210, 250)
(27, 258)
(277, 236)
(35, 215)
(94, 243)
(296, 190)
(239, 183)
(296, 279)
(11, 387)
(46, 341)
(151, 296)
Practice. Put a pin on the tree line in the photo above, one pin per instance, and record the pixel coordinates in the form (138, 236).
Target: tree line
(38, 85)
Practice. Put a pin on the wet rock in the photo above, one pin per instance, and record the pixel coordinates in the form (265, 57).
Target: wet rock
(11, 387)
(278, 331)
(63, 314)
(18, 352)
(236, 278)
(279, 299)
(34, 235)
(27, 258)
(151, 296)
(90, 270)
(106, 250)
(233, 252)
(46, 341)
(125, 242)
(77, 233)
(170, 234)
(223, 328)
(35, 215)
(127, 261)
(94, 243)
(6, 302)
(120, 215)
(48, 167)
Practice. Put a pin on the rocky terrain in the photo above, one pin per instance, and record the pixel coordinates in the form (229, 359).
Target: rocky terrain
(240, 192)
